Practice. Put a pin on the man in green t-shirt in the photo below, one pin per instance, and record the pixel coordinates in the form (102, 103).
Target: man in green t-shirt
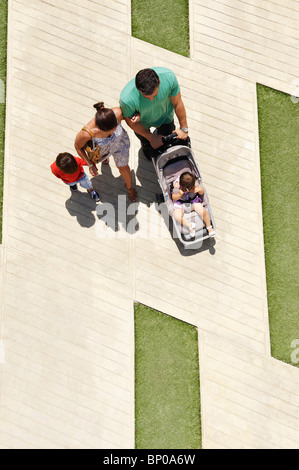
(150, 100)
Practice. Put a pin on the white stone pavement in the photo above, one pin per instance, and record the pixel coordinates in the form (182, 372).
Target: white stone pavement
(68, 283)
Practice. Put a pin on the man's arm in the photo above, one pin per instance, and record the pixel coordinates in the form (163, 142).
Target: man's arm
(180, 112)
(154, 140)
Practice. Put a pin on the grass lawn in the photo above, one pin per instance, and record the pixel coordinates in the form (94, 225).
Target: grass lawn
(279, 154)
(167, 395)
(3, 37)
(162, 23)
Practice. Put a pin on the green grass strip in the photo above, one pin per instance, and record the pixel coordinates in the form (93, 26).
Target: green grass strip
(167, 394)
(162, 23)
(279, 151)
(3, 46)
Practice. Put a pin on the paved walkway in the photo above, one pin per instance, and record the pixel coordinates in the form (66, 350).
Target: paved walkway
(69, 279)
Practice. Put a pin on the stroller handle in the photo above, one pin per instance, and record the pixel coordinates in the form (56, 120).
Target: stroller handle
(169, 138)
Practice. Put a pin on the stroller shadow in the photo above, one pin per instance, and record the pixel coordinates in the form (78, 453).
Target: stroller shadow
(204, 245)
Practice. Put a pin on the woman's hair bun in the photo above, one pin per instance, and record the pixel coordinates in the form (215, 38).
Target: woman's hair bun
(99, 105)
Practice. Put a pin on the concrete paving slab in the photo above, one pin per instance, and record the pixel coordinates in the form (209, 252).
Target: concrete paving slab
(69, 277)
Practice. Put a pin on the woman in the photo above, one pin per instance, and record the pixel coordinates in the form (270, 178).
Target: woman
(112, 139)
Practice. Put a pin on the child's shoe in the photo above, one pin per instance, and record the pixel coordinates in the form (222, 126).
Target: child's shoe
(211, 231)
(73, 187)
(94, 195)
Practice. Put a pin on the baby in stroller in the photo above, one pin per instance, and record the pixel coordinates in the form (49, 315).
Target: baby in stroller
(186, 189)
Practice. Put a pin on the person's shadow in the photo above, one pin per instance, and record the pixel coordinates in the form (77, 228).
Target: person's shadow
(149, 185)
(81, 206)
(115, 209)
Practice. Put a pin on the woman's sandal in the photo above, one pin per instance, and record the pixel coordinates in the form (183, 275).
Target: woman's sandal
(132, 194)
(212, 233)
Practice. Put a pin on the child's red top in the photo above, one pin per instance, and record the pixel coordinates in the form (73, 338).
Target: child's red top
(69, 178)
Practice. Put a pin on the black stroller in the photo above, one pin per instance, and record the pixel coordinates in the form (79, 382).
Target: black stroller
(172, 159)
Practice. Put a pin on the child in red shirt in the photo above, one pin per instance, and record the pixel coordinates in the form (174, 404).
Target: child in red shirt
(70, 170)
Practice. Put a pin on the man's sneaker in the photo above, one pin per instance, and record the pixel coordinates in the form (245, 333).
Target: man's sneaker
(73, 187)
(94, 195)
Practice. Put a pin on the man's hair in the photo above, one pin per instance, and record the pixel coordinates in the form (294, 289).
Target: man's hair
(187, 181)
(146, 81)
(105, 117)
(66, 162)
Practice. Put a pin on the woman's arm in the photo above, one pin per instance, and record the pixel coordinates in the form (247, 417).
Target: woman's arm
(118, 113)
(81, 140)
